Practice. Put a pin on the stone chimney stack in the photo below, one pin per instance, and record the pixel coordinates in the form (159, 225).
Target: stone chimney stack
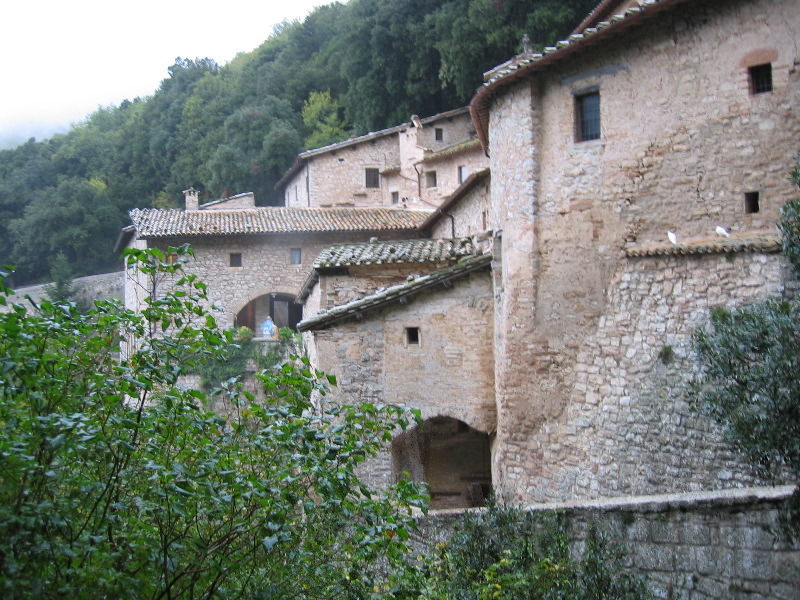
(190, 195)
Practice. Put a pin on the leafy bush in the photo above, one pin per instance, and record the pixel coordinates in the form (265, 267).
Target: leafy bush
(116, 483)
(506, 553)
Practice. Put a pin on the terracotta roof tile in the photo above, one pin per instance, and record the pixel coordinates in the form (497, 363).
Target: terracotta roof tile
(394, 252)
(355, 308)
(756, 241)
(155, 223)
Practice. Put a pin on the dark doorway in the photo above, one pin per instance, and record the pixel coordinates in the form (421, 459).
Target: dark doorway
(451, 457)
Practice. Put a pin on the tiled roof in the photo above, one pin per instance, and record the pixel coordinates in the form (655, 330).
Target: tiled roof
(757, 241)
(523, 64)
(154, 222)
(395, 293)
(394, 252)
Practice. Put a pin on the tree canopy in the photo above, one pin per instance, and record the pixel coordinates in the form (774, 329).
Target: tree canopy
(347, 69)
(117, 481)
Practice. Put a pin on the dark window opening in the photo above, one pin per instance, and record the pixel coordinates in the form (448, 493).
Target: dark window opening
(235, 259)
(451, 457)
(430, 179)
(373, 178)
(439, 133)
(412, 335)
(751, 202)
(296, 256)
(587, 111)
(395, 197)
(760, 79)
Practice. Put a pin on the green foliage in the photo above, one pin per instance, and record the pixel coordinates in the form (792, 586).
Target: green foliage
(347, 68)
(116, 483)
(62, 287)
(322, 118)
(506, 553)
(749, 384)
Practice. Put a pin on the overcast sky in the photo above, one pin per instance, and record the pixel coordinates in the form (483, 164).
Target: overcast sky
(65, 58)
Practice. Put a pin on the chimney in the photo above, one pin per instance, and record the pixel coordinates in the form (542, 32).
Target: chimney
(190, 195)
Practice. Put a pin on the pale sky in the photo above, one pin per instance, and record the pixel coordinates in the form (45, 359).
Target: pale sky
(65, 58)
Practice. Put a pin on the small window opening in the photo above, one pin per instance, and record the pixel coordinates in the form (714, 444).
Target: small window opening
(430, 179)
(439, 133)
(235, 259)
(462, 173)
(412, 336)
(395, 197)
(373, 178)
(751, 202)
(587, 112)
(761, 79)
(295, 256)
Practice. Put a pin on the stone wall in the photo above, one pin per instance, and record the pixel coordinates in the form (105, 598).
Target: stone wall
(266, 267)
(472, 158)
(448, 373)
(468, 217)
(338, 177)
(585, 408)
(726, 545)
(87, 289)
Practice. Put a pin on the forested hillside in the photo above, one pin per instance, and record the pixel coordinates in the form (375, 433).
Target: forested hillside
(346, 70)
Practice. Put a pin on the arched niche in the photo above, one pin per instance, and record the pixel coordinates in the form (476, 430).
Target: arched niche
(451, 457)
(280, 307)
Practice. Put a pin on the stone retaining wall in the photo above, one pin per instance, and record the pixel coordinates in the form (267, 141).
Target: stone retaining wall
(689, 546)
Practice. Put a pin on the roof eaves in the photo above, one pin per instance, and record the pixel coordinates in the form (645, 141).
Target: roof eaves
(453, 150)
(124, 238)
(414, 286)
(763, 242)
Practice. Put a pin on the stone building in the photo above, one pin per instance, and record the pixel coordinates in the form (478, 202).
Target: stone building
(416, 164)
(255, 259)
(654, 120)
(539, 312)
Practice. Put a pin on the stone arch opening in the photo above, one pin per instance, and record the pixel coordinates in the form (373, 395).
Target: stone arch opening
(451, 457)
(280, 307)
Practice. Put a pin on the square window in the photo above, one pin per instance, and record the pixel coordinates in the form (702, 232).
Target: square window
(412, 336)
(587, 117)
(439, 134)
(430, 179)
(395, 197)
(373, 178)
(296, 256)
(235, 259)
(760, 79)
(462, 173)
(751, 202)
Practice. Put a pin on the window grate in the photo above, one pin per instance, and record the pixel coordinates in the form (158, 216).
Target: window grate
(588, 115)
(761, 79)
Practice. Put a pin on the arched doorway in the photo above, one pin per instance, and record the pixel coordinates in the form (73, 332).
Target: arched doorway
(451, 457)
(280, 307)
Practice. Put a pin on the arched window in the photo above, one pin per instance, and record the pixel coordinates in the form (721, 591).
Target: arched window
(280, 307)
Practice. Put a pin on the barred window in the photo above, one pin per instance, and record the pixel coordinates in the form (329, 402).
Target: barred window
(373, 178)
(761, 78)
(587, 112)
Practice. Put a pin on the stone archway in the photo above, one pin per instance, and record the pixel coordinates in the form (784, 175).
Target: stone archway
(280, 307)
(451, 457)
